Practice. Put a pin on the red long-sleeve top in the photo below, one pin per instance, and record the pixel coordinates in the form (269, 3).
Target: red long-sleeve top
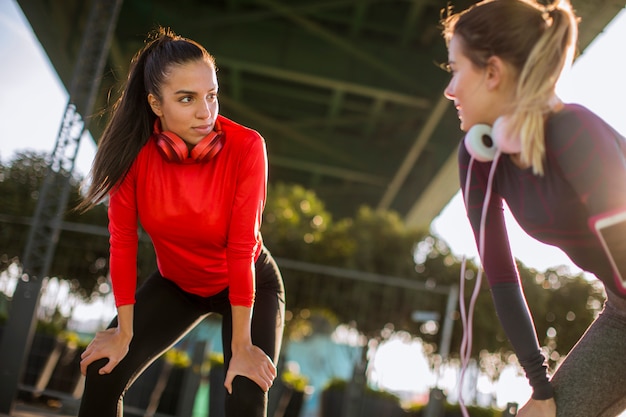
(204, 219)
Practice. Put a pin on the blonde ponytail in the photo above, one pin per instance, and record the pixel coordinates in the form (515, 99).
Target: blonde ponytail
(552, 53)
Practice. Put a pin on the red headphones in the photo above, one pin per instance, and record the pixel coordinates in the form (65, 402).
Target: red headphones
(175, 149)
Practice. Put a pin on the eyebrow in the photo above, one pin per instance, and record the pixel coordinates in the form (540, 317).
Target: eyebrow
(191, 92)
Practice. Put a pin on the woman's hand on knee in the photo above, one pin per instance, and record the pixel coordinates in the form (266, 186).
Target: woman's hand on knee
(110, 344)
(252, 363)
(538, 408)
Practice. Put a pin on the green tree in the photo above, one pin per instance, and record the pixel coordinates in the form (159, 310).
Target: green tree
(81, 254)
(351, 266)
(294, 221)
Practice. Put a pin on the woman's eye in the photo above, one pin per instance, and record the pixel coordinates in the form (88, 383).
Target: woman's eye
(212, 96)
(185, 99)
(446, 67)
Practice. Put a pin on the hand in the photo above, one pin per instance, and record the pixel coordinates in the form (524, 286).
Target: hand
(110, 344)
(538, 408)
(252, 363)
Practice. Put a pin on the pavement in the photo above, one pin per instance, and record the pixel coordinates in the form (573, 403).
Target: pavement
(36, 410)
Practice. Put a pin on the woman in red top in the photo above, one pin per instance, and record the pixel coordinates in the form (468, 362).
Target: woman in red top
(196, 182)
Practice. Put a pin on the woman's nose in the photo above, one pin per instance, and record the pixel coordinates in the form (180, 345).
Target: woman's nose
(449, 92)
(204, 110)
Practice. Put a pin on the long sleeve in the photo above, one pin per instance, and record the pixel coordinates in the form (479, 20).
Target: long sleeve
(519, 327)
(244, 236)
(123, 241)
(502, 275)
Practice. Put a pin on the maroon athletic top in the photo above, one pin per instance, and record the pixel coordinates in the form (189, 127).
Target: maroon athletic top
(584, 180)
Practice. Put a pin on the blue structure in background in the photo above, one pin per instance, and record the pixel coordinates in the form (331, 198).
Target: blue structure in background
(318, 358)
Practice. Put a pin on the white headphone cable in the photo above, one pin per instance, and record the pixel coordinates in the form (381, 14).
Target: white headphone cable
(467, 317)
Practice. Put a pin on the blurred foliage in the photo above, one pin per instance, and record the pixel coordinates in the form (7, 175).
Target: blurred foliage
(178, 358)
(82, 251)
(294, 221)
(371, 271)
(370, 247)
(296, 381)
(310, 322)
(338, 384)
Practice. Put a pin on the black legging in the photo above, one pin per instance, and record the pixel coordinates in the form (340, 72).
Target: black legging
(163, 314)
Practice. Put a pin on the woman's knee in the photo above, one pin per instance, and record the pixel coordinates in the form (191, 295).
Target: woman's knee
(102, 394)
(247, 399)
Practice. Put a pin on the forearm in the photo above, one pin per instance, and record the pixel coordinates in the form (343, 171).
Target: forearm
(519, 327)
(125, 315)
(242, 321)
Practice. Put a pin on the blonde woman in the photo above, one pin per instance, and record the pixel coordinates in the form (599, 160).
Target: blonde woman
(560, 169)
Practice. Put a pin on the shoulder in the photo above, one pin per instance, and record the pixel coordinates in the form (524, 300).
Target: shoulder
(148, 152)
(574, 116)
(575, 121)
(238, 133)
(576, 137)
(242, 143)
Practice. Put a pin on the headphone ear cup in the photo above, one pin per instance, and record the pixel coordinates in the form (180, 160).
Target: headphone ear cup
(171, 146)
(175, 149)
(208, 147)
(479, 143)
(503, 138)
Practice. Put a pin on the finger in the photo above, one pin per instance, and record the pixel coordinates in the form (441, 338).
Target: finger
(272, 369)
(266, 381)
(228, 382)
(88, 350)
(265, 376)
(84, 363)
(108, 368)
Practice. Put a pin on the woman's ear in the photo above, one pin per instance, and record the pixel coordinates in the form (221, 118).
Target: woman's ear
(155, 104)
(496, 72)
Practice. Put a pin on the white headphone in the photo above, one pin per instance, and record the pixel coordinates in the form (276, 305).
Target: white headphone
(483, 141)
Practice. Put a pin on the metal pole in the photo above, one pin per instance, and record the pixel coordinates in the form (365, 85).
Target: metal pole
(448, 322)
(43, 236)
(437, 398)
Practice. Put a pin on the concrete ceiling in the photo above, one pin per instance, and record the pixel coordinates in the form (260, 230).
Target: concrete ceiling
(347, 93)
